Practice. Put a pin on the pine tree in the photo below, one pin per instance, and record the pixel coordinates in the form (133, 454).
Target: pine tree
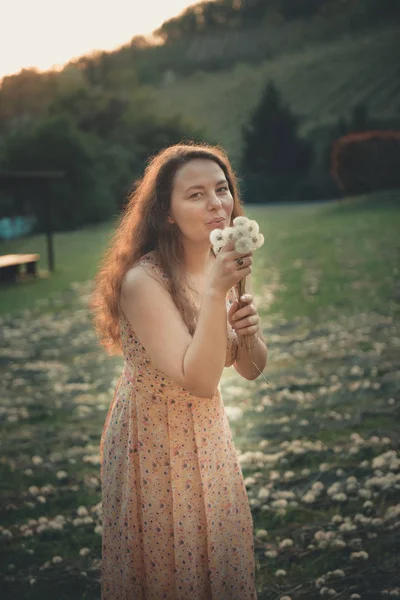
(273, 154)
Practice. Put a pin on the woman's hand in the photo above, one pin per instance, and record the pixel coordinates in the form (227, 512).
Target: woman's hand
(245, 321)
(226, 273)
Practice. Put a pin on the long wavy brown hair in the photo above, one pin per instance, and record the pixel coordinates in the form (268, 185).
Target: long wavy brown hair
(142, 227)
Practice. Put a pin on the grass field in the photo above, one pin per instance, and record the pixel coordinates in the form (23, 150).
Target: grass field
(320, 83)
(318, 443)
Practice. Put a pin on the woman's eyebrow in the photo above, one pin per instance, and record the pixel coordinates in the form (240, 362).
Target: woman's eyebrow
(200, 185)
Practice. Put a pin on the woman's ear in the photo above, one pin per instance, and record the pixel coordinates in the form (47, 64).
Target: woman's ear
(170, 219)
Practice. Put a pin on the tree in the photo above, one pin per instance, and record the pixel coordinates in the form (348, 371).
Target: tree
(56, 144)
(275, 160)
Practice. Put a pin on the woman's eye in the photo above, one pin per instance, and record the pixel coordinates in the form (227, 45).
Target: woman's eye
(196, 195)
(223, 189)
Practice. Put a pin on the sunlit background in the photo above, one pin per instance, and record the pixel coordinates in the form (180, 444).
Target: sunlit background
(45, 33)
(304, 97)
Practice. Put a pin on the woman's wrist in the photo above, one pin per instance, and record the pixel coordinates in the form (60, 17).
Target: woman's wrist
(253, 339)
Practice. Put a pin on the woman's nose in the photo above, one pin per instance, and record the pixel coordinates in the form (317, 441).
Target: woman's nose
(215, 200)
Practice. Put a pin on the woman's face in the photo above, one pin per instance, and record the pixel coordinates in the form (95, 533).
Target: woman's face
(200, 196)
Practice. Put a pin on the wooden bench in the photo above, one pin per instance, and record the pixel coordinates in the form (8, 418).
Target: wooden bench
(10, 265)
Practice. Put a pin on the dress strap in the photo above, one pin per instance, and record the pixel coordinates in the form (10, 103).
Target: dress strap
(151, 264)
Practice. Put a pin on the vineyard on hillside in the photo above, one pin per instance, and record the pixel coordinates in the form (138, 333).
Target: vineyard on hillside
(321, 83)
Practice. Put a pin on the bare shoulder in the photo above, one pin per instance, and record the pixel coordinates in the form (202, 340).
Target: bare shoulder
(139, 281)
(148, 267)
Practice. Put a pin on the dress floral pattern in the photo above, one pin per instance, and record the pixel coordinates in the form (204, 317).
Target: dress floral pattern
(176, 518)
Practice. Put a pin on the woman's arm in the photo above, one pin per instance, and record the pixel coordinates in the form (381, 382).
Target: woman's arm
(258, 354)
(258, 351)
(196, 363)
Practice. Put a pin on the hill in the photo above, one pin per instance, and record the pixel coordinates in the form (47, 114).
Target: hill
(321, 82)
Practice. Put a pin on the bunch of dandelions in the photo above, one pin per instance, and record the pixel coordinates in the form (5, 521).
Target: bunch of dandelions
(244, 231)
(247, 237)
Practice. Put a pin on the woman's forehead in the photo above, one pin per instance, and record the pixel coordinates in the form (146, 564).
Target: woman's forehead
(198, 171)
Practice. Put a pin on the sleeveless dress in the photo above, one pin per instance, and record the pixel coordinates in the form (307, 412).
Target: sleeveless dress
(176, 518)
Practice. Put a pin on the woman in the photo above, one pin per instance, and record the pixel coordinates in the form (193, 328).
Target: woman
(176, 518)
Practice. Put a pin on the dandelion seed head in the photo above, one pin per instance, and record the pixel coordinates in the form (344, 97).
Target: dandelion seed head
(243, 245)
(238, 221)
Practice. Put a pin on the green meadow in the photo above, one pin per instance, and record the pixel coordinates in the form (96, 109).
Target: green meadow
(317, 437)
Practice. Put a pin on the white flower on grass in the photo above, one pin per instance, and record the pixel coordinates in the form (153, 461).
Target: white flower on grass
(317, 486)
(263, 493)
(84, 551)
(338, 573)
(61, 475)
(305, 472)
(37, 460)
(355, 597)
(309, 498)
(319, 536)
(337, 519)
(333, 489)
(286, 543)
(82, 511)
(362, 555)
(280, 573)
(285, 598)
(341, 497)
(6, 534)
(56, 560)
(282, 503)
(262, 533)
(271, 553)
(392, 512)
(338, 544)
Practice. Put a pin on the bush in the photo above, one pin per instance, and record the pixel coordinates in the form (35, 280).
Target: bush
(367, 162)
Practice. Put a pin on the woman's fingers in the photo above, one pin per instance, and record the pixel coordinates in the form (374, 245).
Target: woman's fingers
(246, 322)
(244, 312)
(248, 298)
(233, 308)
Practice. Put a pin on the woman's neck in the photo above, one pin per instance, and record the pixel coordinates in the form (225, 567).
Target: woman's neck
(198, 261)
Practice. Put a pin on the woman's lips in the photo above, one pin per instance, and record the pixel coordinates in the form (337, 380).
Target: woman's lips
(216, 222)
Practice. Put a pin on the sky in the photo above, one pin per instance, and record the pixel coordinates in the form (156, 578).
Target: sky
(47, 33)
